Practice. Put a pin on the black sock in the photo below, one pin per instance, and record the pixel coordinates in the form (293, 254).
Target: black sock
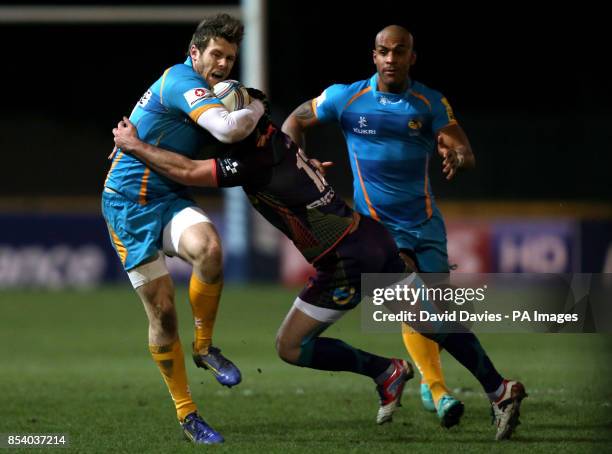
(465, 348)
(324, 353)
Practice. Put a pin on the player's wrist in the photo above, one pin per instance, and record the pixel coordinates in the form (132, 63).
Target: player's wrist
(135, 146)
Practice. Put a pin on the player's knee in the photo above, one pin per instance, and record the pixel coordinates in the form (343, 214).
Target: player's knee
(214, 254)
(208, 255)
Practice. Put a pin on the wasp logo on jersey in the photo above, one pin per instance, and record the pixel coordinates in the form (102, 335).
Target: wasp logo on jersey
(414, 127)
(195, 95)
(415, 124)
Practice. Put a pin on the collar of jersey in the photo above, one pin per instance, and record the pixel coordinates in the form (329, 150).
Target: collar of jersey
(374, 85)
(188, 62)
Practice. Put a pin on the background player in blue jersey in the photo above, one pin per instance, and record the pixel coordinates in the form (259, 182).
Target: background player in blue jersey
(392, 126)
(149, 215)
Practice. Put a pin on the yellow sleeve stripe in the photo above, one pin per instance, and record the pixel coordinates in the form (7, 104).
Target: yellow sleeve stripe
(161, 90)
(314, 106)
(195, 114)
(449, 110)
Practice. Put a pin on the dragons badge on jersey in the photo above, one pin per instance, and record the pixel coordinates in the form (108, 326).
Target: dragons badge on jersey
(343, 295)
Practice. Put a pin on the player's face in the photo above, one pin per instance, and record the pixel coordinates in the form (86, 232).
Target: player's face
(393, 57)
(216, 62)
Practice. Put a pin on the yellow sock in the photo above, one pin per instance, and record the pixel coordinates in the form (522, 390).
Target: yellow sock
(426, 355)
(171, 363)
(204, 299)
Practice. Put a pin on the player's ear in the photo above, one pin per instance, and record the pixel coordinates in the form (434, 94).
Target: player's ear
(413, 58)
(374, 55)
(194, 52)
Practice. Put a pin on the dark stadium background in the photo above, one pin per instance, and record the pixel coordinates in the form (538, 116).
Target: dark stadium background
(530, 87)
(526, 85)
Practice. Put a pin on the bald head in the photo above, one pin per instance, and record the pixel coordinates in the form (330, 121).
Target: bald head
(393, 56)
(395, 33)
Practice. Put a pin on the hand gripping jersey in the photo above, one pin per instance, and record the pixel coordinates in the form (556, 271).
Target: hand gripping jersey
(292, 195)
(165, 116)
(390, 139)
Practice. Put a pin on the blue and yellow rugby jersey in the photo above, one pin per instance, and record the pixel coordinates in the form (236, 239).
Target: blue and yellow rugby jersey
(165, 116)
(391, 139)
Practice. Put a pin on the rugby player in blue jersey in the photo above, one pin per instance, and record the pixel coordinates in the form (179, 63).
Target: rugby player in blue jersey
(149, 215)
(292, 195)
(392, 125)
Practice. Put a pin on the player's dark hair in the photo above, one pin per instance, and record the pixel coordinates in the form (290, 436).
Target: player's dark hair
(219, 26)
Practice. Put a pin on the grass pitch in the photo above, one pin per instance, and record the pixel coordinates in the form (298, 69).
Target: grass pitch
(78, 363)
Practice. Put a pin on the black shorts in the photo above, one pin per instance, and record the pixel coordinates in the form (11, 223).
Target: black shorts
(337, 284)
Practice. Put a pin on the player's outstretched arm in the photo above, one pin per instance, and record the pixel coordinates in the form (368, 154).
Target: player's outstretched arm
(298, 121)
(172, 165)
(455, 150)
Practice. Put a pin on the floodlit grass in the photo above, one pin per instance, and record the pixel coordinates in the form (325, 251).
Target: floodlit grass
(78, 363)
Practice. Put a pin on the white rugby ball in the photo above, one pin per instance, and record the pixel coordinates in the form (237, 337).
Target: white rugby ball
(232, 94)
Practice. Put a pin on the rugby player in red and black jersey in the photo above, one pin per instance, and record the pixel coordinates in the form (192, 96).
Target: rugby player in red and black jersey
(291, 194)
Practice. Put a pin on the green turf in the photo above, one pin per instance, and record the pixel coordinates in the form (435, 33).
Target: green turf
(78, 363)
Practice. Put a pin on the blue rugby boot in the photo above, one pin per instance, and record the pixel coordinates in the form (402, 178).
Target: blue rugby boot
(199, 432)
(222, 368)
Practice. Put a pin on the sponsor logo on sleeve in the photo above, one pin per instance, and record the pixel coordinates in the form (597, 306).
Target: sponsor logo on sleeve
(144, 100)
(195, 95)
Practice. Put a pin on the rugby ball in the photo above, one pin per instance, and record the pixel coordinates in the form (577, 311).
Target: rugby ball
(232, 94)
